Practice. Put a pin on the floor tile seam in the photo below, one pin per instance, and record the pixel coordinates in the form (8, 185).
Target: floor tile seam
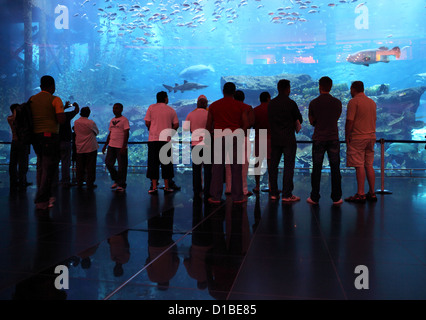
(331, 260)
(412, 254)
(107, 297)
(253, 237)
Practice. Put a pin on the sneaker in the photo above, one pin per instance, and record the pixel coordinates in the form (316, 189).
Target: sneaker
(371, 196)
(168, 190)
(290, 199)
(51, 202)
(213, 201)
(337, 202)
(120, 189)
(310, 201)
(173, 185)
(357, 198)
(153, 191)
(114, 186)
(42, 205)
(272, 197)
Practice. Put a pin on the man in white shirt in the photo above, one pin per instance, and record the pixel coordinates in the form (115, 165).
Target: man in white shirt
(117, 139)
(161, 121)
(86, 147)
(195, 122)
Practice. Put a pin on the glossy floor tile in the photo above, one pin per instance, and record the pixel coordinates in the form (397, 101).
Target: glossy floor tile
(133, 246)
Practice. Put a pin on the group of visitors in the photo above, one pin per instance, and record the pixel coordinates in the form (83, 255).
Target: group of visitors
(219, 141)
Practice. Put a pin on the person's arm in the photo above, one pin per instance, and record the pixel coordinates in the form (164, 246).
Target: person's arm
(125, 140)
(106, 143)
(148, 124)
(348, 130)
(209, 123)
(95, 129)
(245, 121)
(251, 118)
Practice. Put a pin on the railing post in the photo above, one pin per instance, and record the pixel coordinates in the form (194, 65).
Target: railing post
(382, 169)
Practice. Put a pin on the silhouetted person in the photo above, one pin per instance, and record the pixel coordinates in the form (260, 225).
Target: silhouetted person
(48, 114)
(117, 140)
(227, 121)
(240, 96)
(161, 121)
(261, 122)
(360, 136)
(284, 118)
(195, 122)
(87, 146)
(324, 114)
(19, 154)
(65, 145)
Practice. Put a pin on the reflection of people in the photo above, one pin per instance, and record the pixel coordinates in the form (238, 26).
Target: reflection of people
(119, 248)
(284, 118)
(360, 135)
(162, 261)
(48, 114)
(196, 123)
(226, 117)
(261, 122)
(202, 242)
(18, 163)
(86, 144)
(324, 113)
(117, 148)
(65, 136)
(161, 120)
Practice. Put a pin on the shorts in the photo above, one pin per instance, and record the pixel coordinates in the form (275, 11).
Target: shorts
(360, 153)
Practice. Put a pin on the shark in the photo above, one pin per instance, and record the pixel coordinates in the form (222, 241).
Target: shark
(367, 57)
(186, 86)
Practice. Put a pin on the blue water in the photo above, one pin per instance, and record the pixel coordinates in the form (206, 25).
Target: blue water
(102, 52)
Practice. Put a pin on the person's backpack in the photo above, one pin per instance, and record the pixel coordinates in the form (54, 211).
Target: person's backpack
(24, 123)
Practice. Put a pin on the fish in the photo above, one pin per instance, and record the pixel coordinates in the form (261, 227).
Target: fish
(186, 86)
(400, 149)
(370, 56)
(196, 71)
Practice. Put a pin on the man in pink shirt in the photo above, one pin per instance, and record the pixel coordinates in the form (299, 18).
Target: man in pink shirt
(360, 135)
(162, 122)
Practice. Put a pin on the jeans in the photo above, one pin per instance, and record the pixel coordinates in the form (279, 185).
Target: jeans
(65, 147)
(289, 153)
(47, 150)
(319, 148)
(86, 168)
(197, 169)
(18, 164)
(119, 175)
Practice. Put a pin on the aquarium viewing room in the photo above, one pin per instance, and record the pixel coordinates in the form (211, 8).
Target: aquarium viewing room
(213, 157)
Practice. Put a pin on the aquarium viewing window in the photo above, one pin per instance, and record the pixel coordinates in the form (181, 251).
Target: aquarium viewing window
(103, 52)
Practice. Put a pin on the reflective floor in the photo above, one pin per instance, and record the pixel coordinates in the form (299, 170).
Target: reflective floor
(134, 246)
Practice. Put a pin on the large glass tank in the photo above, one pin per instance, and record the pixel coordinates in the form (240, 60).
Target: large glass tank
(105, 51)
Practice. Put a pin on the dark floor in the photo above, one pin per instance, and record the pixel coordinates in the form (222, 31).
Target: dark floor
(134, 246)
